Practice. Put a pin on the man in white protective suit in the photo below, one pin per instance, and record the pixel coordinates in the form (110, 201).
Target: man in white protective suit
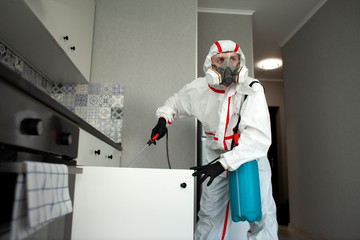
(217, 101)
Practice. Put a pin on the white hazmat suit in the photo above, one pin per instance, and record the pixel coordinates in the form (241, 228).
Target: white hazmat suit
(218, 107)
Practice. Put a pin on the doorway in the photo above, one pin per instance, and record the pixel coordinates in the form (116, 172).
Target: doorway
(277, 179)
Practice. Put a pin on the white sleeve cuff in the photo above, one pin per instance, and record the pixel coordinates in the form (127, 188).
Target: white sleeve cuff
(224, 163)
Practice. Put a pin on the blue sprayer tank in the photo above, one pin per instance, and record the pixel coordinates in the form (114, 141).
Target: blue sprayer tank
(245, 199)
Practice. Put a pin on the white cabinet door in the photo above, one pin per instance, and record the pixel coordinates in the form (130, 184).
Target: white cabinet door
(133, 203)
(71, 23)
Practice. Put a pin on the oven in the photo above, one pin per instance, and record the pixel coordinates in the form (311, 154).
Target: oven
(30, 131)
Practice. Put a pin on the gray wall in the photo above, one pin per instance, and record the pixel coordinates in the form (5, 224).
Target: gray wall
(150, 46)
(321, 75)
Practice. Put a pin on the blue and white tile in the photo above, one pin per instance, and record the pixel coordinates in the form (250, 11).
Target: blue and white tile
(94, 88)
(105, 101)
(58, 97)
(106, 89)
(57, 88)
(116, 113)
(104, 113)
(118, 89)
(11, 60)
(69, 88)
(81, 111)
(105, 125)
(68, 100)
(117, 101)
(81, 100)
(93, 122)
(82, 89)
(92, 113)
(115, 131)
(93, 100)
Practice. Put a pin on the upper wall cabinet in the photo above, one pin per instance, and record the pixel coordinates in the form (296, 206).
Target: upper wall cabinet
(71, 23)
(55, 36)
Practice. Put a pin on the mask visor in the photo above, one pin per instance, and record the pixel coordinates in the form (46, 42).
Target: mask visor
(227, 59)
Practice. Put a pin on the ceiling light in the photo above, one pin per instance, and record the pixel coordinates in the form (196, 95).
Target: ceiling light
(269, 64)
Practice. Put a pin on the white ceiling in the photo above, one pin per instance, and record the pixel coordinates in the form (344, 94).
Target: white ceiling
(274, 23)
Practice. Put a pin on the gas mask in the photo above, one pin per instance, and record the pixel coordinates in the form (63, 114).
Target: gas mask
(227, 73)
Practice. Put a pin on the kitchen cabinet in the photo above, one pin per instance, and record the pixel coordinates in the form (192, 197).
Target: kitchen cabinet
(133, 203)
(53, 36)
(71, 24)
(94, 152)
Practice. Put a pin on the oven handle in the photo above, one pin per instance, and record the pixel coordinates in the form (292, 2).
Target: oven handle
(19, 168)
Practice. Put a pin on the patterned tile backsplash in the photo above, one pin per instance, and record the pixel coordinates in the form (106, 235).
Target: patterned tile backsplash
(99, 104)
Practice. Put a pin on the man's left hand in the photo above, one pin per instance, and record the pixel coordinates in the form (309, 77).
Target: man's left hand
(209, 170)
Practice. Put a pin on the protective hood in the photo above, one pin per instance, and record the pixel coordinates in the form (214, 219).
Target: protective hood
(223, 46)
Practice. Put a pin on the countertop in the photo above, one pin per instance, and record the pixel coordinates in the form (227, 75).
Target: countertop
(27, 88)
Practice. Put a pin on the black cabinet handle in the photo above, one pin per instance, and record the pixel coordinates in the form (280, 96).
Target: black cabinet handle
(183, 185)
(110, 157)
(72, 48)
(97, 152)
(66, 38)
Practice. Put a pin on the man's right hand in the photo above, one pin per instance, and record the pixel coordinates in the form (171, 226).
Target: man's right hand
(160, 129)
